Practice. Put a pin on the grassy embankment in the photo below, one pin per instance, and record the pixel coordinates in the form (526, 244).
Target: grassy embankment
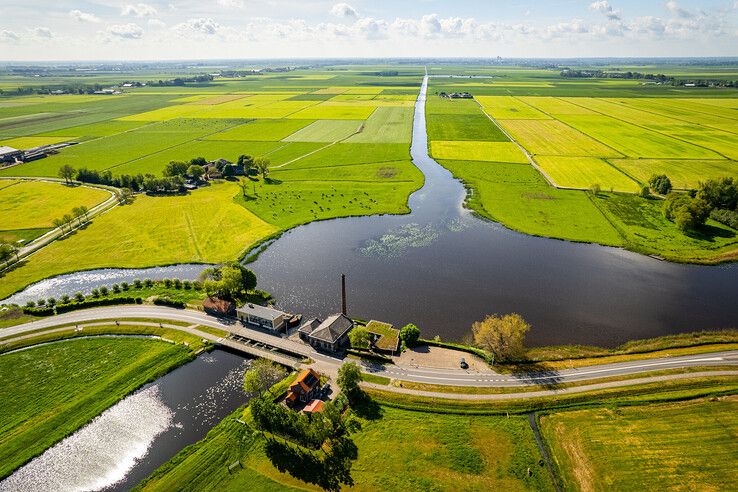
(578, 142)
(397, 450)
(678, 446)
(335, 151)
(58, 388)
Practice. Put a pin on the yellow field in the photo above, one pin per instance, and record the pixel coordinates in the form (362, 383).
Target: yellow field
(554, 105)
(684, 174)
(478, 151)
(334, 112)
(508, 107)
(583, 172)
(552, 137)
(24, 143)
(35, 204)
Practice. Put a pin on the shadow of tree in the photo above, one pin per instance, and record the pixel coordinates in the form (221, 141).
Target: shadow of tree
(329, 472)
(364, 407)
(538, 374)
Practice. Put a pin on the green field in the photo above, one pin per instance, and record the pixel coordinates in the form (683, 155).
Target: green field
(477, 151)
(397, 451)
(676, 446)
(583, 172)
(58, 388)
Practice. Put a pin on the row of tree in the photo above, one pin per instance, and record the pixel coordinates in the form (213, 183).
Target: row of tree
(79, 214)
(715, 198)
(232, 281)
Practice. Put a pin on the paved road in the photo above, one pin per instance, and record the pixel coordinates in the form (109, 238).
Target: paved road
(330, 364)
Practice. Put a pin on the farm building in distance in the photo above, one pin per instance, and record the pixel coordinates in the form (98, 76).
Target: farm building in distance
(9, 154)
(456, 95)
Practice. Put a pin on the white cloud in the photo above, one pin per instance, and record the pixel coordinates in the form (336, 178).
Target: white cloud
(202, 25)
(156, 23)
(8, 36)
(42, 32)
(675, 9)
(126, 31)
(231, 4)
(139, 10)
(604, 7)
(370, 28)
(343, 10)
(80, 16)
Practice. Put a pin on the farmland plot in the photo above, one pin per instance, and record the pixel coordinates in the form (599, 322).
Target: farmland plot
(583, 172)
(386, 125)
(508, 107)
(478, 151)
(325, 131)
(684, 174)
(265, 130)
(552, 137)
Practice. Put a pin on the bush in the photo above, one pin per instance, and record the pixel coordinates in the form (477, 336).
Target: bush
(409, 334)
(125, 286)
(197, 285)
(95, 293)
(137, 284)
(187, 284)
(51, 301)
(177, 283)
(167, 282)
(166, 301)
(30, 304)
(116, 288)
(660, 183)
(41, 302)
(727, 217)
(148, 283)
(64, 299)
(104, 291)
(90, 303)
(79, 297)
(38, 311)
(645, 192)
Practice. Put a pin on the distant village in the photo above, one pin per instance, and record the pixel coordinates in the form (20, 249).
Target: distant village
(455, 95)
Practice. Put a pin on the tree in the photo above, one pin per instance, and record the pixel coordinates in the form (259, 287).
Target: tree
(228, 281)
(686, 212)
(198, 161)
(262, 166)
(349, 376)
(125, 196)
(229, 171)
(195, 171)
(595, 189)
(68, 220)
(645, 192)
(7, 251)
(59, 223)
(720, 193)
(67, 173)
(359, 337)
(660, 183)
(175, 168)
(261, 375)
(502, 336)
(247, 162)
(410, 334)
(78, 214)
(84, 211)
(243, 183)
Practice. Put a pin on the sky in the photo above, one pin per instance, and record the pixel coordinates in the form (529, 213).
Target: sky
(34, 30)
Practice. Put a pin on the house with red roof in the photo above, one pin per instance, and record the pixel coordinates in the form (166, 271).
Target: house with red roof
(305, 388)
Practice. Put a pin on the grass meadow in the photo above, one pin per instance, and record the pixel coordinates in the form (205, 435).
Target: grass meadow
(675, 446)
(58, 388)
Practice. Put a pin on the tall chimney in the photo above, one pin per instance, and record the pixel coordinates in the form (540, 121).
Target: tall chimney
(343, 294)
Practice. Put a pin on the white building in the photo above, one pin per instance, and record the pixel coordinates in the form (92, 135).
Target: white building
(262, 317)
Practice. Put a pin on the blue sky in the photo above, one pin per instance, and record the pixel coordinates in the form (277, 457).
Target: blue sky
(195, 29)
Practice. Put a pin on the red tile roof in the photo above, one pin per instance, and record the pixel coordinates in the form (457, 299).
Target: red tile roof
(314, 406)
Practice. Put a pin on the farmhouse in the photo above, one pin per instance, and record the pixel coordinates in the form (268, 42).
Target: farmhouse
(262, 317)
(305, 388)
(331, 334)
(9, 154)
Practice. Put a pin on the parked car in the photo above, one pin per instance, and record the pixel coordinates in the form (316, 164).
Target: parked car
(463, 364)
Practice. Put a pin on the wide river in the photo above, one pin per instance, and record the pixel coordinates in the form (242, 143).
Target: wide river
(443, 268)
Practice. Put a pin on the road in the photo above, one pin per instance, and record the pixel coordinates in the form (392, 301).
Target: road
(449, 377)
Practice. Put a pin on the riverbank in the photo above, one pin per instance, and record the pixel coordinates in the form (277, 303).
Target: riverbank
(59, 388)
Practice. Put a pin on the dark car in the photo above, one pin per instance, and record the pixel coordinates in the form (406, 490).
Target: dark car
(463, 364)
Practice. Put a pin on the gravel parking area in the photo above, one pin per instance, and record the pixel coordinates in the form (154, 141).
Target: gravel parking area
(440, 358)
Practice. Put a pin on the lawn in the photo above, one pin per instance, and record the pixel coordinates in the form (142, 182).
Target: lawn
(60, 387)
(518, 197)
(675, 446)
(35, 204)
(583, 172)
(477, 151)
(386, 125)
(325, 131)
(204, 226)
(397, 450)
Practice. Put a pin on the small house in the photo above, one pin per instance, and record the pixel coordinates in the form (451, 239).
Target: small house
(218, 307)
(9, 154)
(331, 334)
(315, 406)
(305, 388)
(264, 317)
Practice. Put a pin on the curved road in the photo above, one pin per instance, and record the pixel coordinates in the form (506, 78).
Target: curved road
(448, 377)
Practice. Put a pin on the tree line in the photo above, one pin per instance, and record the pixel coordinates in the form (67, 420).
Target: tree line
(715, 198)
